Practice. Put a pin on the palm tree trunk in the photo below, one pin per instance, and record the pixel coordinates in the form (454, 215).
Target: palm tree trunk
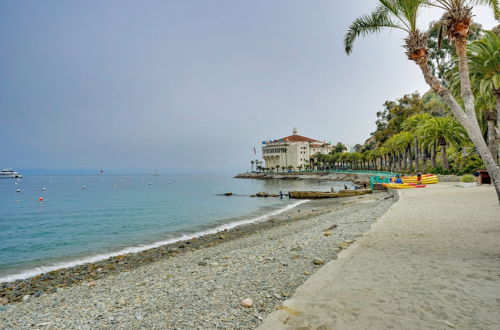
(433, 155)
(497, 96)
(415, 139)
(492, 140)
(465, 88)
(424, 161)
(405, 160)
(444, 158)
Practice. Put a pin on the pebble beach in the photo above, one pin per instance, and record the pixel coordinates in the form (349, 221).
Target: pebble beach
(229, 280)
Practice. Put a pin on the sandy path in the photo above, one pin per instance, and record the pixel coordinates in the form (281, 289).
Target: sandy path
(431, 262)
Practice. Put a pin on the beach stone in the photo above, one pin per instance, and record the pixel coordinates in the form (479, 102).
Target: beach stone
(318, 261)
(202, 263)
(26, 297)
(138, 316)
(92, 283)
(229, 194)
(247, 303)
(327, 234)
(345, 245)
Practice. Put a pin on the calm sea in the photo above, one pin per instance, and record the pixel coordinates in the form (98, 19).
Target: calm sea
(88, 218)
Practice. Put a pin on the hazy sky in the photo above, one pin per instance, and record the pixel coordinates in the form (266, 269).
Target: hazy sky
(187, 85)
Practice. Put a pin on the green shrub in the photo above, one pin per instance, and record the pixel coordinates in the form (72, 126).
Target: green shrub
(468, 178)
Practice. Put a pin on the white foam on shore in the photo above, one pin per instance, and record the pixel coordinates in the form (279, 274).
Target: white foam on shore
(45, 269)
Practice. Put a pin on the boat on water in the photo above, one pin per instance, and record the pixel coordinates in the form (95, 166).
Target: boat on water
(8, 173)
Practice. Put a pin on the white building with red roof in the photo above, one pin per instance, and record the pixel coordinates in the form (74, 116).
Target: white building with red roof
(294, 151)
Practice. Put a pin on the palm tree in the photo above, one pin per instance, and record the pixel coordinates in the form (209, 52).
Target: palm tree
(484, 69)
(412, 124)
(405, 141)
(392, 150)
(402, 15)
(447, 132)
(251, 163)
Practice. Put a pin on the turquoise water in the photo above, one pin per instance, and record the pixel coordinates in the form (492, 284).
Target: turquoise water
(87, 218)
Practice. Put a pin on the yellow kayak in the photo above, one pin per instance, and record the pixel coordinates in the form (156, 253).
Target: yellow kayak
(426, 179)
(403, 185)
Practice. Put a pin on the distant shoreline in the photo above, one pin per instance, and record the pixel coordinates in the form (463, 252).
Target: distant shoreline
(358, 178)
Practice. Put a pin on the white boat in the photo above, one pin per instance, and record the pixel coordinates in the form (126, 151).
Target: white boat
(8, 173)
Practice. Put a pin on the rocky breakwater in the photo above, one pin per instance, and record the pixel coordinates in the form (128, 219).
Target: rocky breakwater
(357, 178)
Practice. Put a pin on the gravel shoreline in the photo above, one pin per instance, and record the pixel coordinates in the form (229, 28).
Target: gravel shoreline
(196, 284)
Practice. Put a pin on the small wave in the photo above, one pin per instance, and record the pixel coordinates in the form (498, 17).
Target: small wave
(45, 269)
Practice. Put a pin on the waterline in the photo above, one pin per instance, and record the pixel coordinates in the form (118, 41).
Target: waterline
(44, 269)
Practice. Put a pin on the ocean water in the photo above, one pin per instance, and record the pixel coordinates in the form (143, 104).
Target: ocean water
(89, 218)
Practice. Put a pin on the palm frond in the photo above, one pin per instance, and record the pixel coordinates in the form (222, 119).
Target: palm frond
(369, 24)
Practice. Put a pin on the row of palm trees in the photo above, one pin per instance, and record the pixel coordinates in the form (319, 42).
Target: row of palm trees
(260, 168)
(414, 149)
(423, 137)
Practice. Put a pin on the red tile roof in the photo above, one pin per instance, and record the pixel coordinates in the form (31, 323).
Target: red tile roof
(298, 138)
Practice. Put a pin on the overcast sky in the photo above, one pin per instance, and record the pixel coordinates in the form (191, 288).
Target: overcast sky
(188, 85)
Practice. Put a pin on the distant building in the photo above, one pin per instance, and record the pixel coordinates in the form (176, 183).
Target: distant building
(294, 150)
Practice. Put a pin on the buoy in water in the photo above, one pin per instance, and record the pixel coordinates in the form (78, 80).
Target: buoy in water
(18, 190)
(44, 189)
(149, 183)
(83, 187)
(40, 199)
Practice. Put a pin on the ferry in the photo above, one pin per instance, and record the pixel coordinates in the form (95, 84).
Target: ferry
(8, 173)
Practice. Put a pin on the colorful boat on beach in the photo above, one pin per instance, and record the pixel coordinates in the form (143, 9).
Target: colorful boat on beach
(426, 179)
(403, 185)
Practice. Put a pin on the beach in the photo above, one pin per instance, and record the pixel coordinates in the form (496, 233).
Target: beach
(198, 283)
(430, 262)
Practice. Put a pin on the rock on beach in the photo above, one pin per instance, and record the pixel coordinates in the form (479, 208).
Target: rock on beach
(247, 303)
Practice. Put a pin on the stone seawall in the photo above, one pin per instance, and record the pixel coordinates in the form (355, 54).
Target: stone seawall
(358, 178)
